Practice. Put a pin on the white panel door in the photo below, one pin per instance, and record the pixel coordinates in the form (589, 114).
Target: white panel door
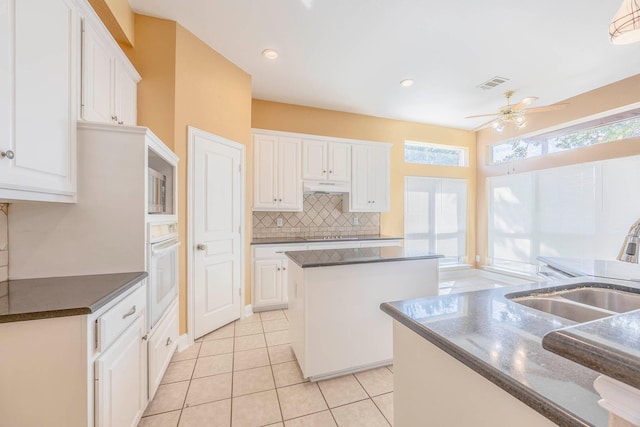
(45, 54)
(97, 78)
(290, 184)
(268, 289)
(379, 179)
(217, 218)
(265, 177)
(359, 198)
(120, 386)
(314, 159)
(339, 161)
(126, 96)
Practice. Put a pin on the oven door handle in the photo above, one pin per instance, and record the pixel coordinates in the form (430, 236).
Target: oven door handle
(158, 248)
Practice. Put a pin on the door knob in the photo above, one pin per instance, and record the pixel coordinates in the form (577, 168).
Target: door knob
(201, 247)
(8, 154)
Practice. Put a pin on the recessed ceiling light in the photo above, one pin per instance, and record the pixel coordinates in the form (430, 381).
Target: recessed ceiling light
(270, 54)
(406, 83)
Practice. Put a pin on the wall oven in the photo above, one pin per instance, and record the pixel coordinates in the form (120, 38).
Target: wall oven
(162, 268)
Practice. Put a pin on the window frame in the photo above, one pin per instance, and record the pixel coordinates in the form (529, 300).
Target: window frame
(463, 153)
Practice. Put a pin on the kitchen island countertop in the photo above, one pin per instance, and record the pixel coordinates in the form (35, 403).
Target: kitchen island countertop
(334, 257)
(43, 298)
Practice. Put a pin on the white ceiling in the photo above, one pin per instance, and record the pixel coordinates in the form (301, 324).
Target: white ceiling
(350, 55)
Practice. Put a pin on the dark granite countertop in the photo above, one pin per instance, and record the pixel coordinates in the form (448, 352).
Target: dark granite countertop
(31, 299)
(283, 240)
(347, 256)
(502, 341)
(610, 346)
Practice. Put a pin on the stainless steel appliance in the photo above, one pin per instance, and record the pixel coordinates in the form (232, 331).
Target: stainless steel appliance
(162, 268)
(629, 250)
(157, 192)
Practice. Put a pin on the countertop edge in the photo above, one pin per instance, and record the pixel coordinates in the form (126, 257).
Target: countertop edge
(594, 355)
(527, 396)
(76, 311)
(366, 261)
(141, 275)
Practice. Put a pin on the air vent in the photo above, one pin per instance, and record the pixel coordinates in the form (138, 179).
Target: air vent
(490, 84)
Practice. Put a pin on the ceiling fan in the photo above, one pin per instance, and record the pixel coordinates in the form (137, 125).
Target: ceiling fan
(514, 113)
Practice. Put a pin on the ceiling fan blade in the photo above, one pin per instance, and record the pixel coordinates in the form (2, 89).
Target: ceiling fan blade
(482, 126)
(553, 107)
(525, 102)
(481, 115)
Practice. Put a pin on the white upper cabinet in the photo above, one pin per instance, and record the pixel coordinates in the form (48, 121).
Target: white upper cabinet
(326, 161)
(109, 81)
(277, 177)
(39, 42)
(370, 185)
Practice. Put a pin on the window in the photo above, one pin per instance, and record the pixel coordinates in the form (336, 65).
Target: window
(599, 131)
(579, 211)
(435, 154)
(435, 217)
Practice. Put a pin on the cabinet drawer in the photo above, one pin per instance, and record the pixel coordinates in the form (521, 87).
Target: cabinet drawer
(277, 251)
(118, 318)
(162, 345)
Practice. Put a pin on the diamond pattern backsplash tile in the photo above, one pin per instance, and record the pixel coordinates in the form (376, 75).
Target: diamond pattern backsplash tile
(322, 216)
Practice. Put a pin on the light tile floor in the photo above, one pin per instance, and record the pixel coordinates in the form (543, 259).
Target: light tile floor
(245, 375)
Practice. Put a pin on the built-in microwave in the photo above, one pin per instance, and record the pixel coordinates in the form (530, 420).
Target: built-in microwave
(157, 192)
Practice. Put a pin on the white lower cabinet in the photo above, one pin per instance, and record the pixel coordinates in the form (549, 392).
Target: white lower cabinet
(162, 344)
(270, 265)
(120, 380)
(76, 371)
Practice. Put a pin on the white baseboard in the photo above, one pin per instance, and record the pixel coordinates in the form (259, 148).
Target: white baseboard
(184, 342)
(248, 311)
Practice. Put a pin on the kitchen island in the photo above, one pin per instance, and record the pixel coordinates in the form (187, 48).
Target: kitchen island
(334, 321)
(487, 365)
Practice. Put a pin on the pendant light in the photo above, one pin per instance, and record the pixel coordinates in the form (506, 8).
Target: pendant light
(625, 25)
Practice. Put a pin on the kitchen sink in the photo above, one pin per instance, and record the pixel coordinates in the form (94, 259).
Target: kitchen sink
(568, 310)
(609, 299)
(580, 303)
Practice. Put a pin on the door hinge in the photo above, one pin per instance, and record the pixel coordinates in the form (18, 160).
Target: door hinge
(240, 292)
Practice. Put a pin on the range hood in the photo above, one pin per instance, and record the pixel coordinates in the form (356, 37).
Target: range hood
(326, 187)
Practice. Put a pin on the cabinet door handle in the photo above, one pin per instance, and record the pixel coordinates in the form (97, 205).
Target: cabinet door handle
(275, 200)
(284, 268)
(330, 171)
(8, 154)
(278, 268)
(279, 200)
(130, 312)
(114, 118)
(201, 247)
(120, 122)
(169, 341)
(324, 171)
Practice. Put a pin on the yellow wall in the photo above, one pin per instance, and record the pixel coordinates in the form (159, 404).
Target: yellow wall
(186, 83)
(294, 118)
(619, 94)
(118, 17)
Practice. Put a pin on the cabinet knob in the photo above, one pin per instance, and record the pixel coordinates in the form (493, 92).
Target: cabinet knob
(8, 154)
(324, 171)
(114, 118)
(284, 268)
(201, 247)
(279, 200)
(278, 268)
(120, 122)
(168, 343)
(275, 200)
(330, 171)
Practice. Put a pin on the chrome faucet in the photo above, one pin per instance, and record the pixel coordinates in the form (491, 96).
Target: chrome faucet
(629, 250)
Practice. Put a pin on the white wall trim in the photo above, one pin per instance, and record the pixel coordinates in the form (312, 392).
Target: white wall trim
(184, 342)
(192, 133)
(248, 310)
(322, 137)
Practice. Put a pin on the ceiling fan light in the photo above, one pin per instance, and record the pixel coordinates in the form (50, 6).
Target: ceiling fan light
(625, 25)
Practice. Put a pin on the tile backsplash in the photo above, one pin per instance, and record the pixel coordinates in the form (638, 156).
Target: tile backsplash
(322, 216)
